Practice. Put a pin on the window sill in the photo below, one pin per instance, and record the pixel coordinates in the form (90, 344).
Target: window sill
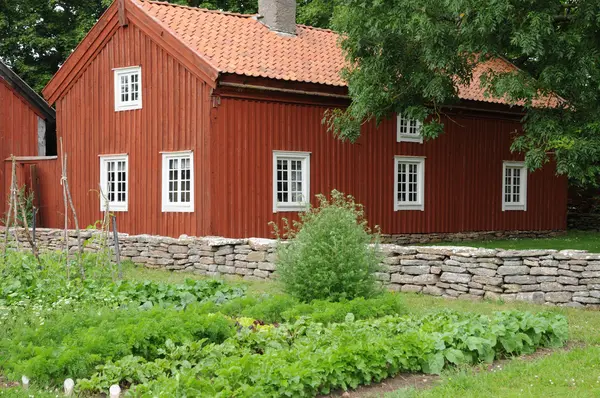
(514, 208)
(123, 108)
(174, 209)
(410, 138)
(292, 208)
(403, 207)
(114, 208)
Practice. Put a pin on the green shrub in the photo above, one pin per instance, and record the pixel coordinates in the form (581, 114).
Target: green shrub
(329, 255)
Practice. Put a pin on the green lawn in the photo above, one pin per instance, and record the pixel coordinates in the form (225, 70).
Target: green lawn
(576, 240)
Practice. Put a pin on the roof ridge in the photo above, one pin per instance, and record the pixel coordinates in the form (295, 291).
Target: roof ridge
(200, 9)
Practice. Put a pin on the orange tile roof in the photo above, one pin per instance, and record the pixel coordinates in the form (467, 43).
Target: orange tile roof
(240, 44)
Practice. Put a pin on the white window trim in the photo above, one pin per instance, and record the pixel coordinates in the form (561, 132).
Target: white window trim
(113, 206)
(522, 205)
(131, 105)
(176, 207)
(402, 137)
(420, 204)
(305, 157)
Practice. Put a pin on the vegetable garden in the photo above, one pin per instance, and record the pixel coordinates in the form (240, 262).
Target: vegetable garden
(211, 338)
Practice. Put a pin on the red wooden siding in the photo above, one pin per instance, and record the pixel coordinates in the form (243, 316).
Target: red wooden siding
(18, 133)
(175, 104)
(44, 182)
(463, 172)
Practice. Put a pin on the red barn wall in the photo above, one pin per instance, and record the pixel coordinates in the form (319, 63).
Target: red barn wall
(18, 133)
(175, 104)
(463, 171)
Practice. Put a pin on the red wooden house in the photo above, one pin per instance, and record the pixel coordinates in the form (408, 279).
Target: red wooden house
(202, 122)
(27, 129)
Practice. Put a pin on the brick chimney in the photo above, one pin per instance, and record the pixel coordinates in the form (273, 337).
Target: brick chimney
(278, 15)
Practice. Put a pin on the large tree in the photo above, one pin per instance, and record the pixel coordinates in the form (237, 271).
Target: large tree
(410, 56)
(36, 36)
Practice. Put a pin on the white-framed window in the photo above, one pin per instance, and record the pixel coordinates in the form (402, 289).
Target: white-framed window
(409, 183)
(514, 186)
(291, 181)
(114, 182)
(178, 181)
(128, 88)
(408, 130)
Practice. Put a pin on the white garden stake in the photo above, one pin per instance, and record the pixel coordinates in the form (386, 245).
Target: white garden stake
(25, 381)
(114, 391)
(69, 386)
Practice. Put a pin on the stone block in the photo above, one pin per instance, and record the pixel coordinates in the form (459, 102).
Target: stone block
(475, 285)
(433, 290)
(508, 297)
(511, 288)
(256, 256)
(430, 257)
(477, 292)
(451, 277)
(178, 249)
(220, 260)
(532, 297)
(436, 270)
(460, 288)
(391, 260)
(416, 269)
(551, 287)
(531, 288)
(450, 268)
(426, 279)
(468, 296)
(243, 271)
(558, 297)
(567, 280)
(411, 288)
(586, 300)
(486, 280)
(546, 278)
(520, 279)
(401, 278)
(419, 263)
(513, 270)
(492, 296)
(226, 269)
(590, 274)
(488, 265)
(380, 276)
(547, 271)
(261, 274)
(271, 267)
(224, 250)
(483, 271)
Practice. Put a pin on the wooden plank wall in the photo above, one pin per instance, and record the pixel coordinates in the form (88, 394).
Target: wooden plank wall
(18, 133)
(174, 117)
(463, 171)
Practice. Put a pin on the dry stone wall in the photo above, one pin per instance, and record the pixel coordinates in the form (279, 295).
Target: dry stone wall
(569, 278)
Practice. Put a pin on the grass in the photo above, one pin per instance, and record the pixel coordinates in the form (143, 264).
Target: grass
(576, 240)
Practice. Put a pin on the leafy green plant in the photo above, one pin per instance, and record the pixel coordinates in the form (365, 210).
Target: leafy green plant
(305, 359)
(330, 254)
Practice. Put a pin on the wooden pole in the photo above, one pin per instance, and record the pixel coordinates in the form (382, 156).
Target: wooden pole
(116, 242)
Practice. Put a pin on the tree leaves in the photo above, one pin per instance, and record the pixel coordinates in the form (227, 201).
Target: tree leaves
(413, 54)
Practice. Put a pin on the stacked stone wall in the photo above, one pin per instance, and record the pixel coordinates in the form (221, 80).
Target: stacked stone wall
(569, 277)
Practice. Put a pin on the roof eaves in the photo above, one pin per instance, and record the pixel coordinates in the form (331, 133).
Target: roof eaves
(29, 94)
